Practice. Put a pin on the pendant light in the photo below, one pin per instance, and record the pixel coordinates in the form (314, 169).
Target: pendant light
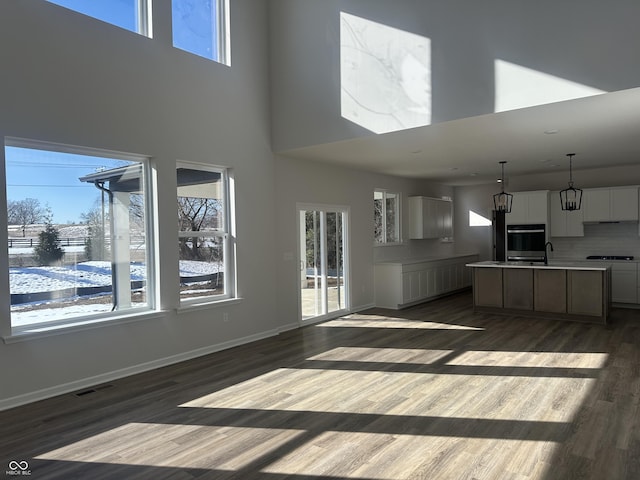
(570, 197)
(502, 201)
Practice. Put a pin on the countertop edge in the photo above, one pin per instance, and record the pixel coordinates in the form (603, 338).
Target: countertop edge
(557, 266)
(409, 261)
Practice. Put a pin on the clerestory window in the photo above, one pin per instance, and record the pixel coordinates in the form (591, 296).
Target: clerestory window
(201, 27)
(132, 15)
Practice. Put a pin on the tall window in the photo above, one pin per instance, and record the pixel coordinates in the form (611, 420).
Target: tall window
(386, 217)
(201, 27)
(78, 234)
(204, 237)
(133, 15)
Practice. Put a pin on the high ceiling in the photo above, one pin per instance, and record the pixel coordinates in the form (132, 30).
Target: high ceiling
(602, 130)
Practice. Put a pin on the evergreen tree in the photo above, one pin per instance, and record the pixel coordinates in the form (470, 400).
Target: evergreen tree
(48, 250)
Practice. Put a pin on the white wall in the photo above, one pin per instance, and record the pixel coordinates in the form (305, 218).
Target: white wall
(72, 79)
(475, 239)
(591, 43)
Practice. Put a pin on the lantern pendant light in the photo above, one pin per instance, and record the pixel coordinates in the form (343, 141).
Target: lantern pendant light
(571, 198)
(502, 201)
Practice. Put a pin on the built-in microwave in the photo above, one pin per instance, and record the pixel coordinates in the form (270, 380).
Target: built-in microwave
(526, 242)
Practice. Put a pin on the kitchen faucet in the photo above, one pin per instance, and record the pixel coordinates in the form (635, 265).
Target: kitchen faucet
(546, 259)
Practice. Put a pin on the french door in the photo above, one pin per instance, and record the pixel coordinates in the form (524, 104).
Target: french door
(322, 259)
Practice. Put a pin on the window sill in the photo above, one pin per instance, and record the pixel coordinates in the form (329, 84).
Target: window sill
(389, 244)
(42, 331)
(207, 304)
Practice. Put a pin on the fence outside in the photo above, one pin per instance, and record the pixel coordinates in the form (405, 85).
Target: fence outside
(28, 242)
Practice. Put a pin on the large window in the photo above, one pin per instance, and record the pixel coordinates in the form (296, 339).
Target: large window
(204, 233)
(133, 15)
(386, 217)
(201, 27)
(78, 234)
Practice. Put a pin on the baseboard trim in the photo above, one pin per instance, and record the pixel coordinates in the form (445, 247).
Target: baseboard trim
(360, 308)
(83, 383)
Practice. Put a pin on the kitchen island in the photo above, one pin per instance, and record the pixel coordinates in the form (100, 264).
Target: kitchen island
(569, 291)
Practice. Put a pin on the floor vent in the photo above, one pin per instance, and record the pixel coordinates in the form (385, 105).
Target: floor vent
(92, 390)
(85, 392)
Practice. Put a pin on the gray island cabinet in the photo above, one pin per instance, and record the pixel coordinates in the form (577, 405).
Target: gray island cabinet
(569, 291)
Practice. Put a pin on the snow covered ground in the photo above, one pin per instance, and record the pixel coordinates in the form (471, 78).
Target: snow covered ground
(86, 274)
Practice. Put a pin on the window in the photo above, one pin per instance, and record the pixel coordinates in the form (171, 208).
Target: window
(201, 27)
(132, 15)
(386, 217)
(78, 234)
(204, 237)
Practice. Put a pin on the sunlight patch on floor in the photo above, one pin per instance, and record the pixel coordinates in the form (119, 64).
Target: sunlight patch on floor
(430, 457)
(373, 321)
(530, 359)
(402, 393)
(391, 355)
(177, 446)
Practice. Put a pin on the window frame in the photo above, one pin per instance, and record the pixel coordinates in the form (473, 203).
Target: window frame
(143, 20)
(226, 232)
(149, 188)
(398, 217)
(221, 23)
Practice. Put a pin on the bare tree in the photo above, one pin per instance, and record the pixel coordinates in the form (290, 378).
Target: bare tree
(27, 212)
(196, 214)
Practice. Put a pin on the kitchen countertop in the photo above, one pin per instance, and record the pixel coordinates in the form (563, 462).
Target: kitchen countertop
(553, 265)
(406, 261)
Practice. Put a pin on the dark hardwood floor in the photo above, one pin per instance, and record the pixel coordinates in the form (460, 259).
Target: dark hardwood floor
(431, 392)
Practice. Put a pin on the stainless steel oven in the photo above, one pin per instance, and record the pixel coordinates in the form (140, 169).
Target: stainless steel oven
(526, 242)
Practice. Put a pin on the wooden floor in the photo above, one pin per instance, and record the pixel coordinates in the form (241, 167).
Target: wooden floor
(431, 392)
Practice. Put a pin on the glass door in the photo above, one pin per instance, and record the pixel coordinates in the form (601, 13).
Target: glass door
(323, 289)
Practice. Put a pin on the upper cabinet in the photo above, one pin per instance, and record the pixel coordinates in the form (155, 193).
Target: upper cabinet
(529, 207)
(615, 204)
(430, 218)
(564, 223)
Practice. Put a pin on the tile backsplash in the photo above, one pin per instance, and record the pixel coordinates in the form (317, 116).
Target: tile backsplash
(599, 239)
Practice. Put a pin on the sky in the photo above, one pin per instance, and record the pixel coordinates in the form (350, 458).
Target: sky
(192, 20)
(52, 177)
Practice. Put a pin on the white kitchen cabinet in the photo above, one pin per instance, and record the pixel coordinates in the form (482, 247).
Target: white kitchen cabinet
(563, 223)
(624, 282)
(624, 203)
(638, 283)
(529, 208)
(401, 284)
(613, 204)
(430, 218)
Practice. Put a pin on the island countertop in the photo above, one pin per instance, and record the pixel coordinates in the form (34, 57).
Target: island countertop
(553, 265)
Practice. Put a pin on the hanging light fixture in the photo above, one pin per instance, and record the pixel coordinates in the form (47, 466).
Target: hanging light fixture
(502, 201)
(570, 197)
